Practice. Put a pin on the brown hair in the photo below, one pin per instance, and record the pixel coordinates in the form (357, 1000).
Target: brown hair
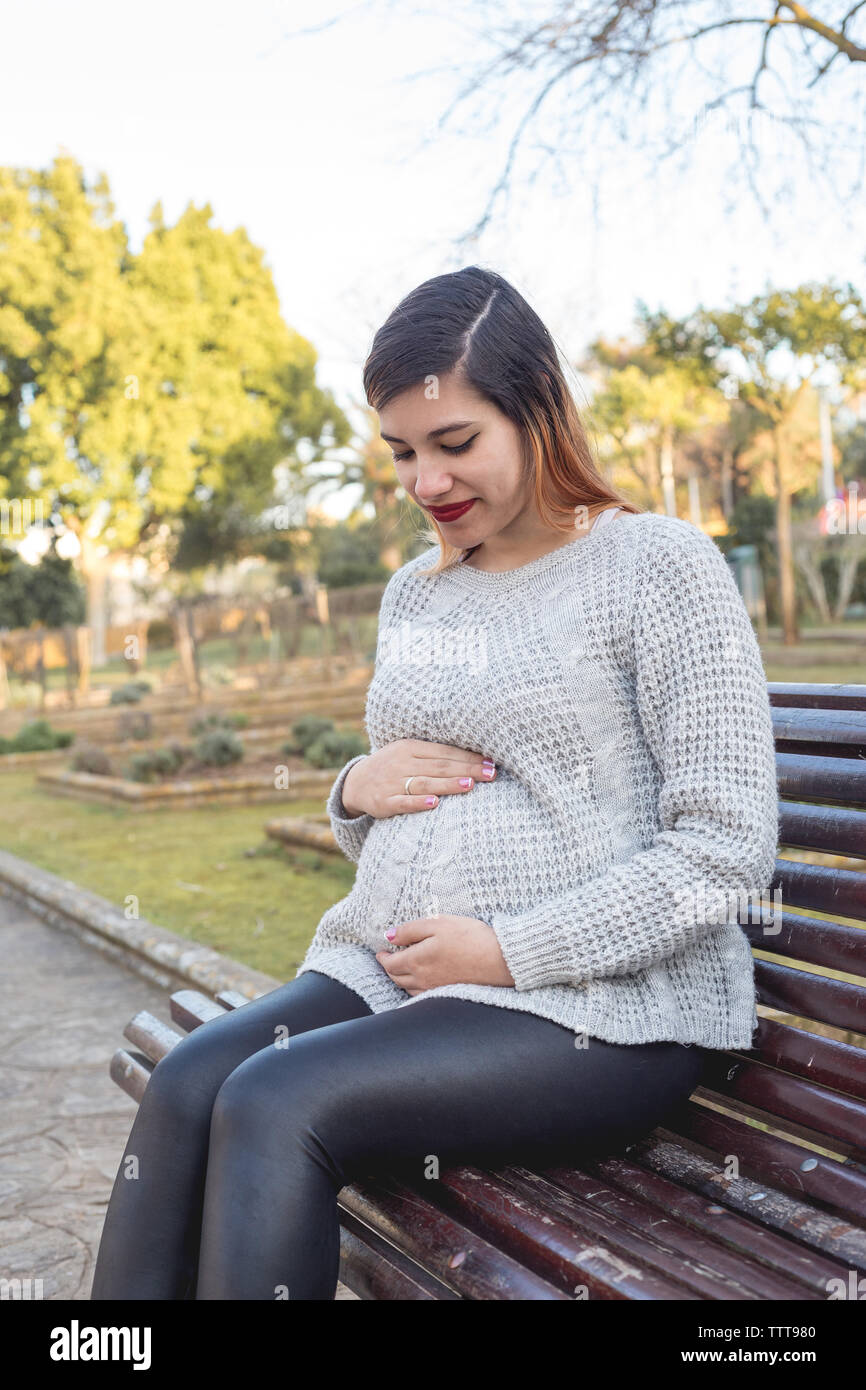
(474, 323)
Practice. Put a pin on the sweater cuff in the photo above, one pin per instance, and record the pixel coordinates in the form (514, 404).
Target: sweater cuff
(350, 832)
(536, 957)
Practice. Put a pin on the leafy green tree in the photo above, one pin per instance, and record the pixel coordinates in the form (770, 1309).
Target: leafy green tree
(48, 593)
(776, 345)
(135, 389)
(644, 409)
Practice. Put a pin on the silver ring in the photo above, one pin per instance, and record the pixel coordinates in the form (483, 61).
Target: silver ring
(406, 785)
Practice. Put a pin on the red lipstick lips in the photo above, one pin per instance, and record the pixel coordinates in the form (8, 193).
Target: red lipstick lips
(452, 513)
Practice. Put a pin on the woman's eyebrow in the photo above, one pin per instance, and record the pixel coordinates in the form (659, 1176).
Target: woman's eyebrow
(434, 434)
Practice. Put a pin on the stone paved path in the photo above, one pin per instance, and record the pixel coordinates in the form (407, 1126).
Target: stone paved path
(63, 1121)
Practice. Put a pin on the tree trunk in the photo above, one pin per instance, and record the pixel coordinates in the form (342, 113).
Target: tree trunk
(94, 565)
(4, 679)
(666, 465)
(810, 565)
(727, 482)
(694, 500)
(71, 663)
(784, 546)
(848, 563)
(84, 639)
(186, 648)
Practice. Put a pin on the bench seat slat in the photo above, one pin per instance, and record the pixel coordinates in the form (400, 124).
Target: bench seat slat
(131, 1071)
(151, 1035)
(702, 1167)
(190, 1008)
(743, 1236)
(470, 1265)
(507, 1202)
(833, 1185)
(375, 1270)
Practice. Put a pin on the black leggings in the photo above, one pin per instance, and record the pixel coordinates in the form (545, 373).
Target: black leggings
(250, 1125)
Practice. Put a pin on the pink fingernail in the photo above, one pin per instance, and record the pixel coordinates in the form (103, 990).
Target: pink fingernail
(466, 781)
(430, 800)
(391, 933)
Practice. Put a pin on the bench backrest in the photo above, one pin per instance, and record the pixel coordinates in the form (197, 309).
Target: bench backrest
(806, 1074)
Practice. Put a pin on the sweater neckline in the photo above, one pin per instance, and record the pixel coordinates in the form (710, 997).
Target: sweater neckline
(506, 579)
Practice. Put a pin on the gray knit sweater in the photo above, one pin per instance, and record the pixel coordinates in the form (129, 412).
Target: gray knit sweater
(618, 686)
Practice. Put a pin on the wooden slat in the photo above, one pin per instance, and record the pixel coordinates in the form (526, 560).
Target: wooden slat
(549, 1227)
(131, 1071)
(232, 999)
(832, 945)
(810, 996)
(814, 696)
(841, 892)
(190, 1008)
(471, 1266)
(154, 1037)
(823, 1060)
(683, 1163)
(831, 1184)
(827, 1113)
(373, 1269)
(828, 732)
(808, 777)
(832, 829)
(741, 1238)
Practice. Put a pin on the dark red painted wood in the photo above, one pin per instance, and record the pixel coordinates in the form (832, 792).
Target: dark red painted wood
(810, 996)
(807, 777)
(833, 829)
(833, 945)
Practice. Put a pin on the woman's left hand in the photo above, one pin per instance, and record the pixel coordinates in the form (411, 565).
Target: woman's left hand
(445, 951)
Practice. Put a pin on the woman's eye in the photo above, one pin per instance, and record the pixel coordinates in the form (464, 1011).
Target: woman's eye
(458, 448)
(455, 449)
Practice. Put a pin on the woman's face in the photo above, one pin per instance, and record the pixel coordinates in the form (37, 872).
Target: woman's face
(450, 446)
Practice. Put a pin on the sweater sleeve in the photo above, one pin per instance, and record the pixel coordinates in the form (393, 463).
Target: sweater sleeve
(350, 832)
(702, 699)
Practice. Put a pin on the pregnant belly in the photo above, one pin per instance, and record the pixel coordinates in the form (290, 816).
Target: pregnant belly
(496, 848)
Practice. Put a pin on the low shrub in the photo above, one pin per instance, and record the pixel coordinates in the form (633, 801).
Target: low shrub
(135, 726)
(218, 747)
(88, 757)
(157, 762)
(130, 693)
(218, 721)
(335, 747)
(37, 737)
(306, 730)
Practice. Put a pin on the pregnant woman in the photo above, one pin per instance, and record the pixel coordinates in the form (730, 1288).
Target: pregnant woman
(570, 788)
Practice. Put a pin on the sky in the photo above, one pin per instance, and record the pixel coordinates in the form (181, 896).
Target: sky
(309, 125)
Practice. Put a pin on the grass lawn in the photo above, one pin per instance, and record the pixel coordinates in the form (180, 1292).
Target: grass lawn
(208, 873)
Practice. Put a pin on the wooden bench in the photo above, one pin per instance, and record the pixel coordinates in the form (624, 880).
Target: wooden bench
(710, 1207)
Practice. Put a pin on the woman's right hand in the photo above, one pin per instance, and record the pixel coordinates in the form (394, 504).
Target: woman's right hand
(376, 785)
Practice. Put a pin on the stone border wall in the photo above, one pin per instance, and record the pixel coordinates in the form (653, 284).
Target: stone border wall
(162, 956)
(207, 791)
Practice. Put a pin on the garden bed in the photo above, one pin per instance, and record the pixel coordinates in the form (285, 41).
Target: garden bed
(307, 832)
(250, 781)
